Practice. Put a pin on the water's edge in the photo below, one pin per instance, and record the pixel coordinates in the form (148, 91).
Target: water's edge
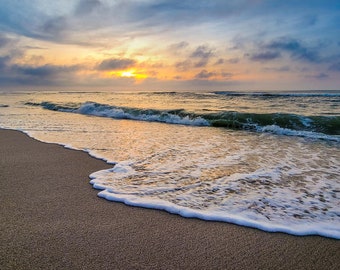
(182, 211)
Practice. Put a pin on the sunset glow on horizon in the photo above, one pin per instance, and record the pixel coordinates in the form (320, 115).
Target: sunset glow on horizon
(171, 45)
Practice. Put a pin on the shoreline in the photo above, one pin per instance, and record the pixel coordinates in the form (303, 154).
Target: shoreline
(52, 218)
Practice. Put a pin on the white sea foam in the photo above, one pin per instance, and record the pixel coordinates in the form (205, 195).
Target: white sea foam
(277, 191)
(269, 206)
(304, 228)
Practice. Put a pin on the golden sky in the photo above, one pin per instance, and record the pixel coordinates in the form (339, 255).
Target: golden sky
(170, 45)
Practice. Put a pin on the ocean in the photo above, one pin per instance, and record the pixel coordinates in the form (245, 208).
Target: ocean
(267, 160)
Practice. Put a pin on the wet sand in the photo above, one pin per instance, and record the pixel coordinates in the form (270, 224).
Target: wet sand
(51, 218)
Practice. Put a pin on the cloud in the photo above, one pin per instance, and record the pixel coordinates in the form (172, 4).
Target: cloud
(265, 56)
(179, 46)
(201, 63)
(4, 41)
(233, 60)
(54, 27)
(28, 75)
(278, 69)
(46, 71)
(57, 22)
(335, 67)
(189, 12)
(309, 20)
(31, 18)
(86, 7)
(203, 53)
(4, 62)
(219, 62)
(116, 64)
(291, 47)
(183, 65)
(227, 75)
(35, 47)
(319, 76)
(294, 48)
(204, 74)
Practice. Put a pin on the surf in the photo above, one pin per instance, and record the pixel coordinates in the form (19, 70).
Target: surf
(314, 126)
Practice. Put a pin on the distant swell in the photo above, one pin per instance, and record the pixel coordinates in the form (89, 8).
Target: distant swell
(319, 127)
(277, 95)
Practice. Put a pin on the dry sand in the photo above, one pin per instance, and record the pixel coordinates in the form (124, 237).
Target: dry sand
(51, 218)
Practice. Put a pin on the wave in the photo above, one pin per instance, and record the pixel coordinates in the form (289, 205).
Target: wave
(319, 127)
(150, 115)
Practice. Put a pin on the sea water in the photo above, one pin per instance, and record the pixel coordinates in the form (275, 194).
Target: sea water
(264, 160)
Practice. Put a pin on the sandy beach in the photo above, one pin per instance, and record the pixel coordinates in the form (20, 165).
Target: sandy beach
(51, 218)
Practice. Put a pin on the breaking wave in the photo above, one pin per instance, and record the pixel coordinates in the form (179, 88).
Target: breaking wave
(317, 127)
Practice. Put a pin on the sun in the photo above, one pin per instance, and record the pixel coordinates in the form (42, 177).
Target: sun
(128, 73)
(132, 74)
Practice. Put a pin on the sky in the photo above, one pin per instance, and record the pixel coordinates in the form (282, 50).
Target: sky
(170, 45)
